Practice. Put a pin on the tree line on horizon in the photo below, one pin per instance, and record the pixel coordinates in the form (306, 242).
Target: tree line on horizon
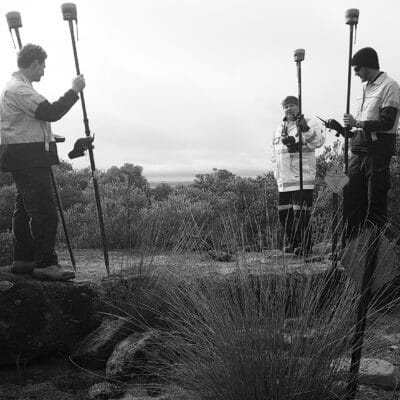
(217, 210)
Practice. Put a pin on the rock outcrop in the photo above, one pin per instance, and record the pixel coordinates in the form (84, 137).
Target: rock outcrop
(38, 319)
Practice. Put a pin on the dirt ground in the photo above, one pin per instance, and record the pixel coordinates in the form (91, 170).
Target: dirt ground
(58, 379)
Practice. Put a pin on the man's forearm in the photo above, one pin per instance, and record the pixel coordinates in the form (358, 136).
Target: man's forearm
(51, 112)
(387, 118)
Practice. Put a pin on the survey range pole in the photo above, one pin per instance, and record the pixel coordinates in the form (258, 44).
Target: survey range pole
(70, 14)
(351, 19)
(14, 22)
(298, 58)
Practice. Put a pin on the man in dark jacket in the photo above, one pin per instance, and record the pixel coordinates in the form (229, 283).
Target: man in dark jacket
(28, 150)
(373, 144)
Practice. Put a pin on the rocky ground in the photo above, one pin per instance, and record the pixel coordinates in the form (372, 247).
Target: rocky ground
(58, 378)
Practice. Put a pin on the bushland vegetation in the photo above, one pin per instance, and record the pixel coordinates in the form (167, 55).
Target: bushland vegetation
(282, 337)
(202, 210)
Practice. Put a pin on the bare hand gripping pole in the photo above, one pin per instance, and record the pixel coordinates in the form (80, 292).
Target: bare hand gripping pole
(70, 14)
(14, 23)
(298, 58)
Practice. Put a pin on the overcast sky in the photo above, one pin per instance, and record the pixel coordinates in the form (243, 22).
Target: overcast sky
(183, 86)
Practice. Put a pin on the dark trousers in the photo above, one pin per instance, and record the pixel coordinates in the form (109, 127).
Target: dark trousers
(294, 219)
(35, 217)
(365, 195)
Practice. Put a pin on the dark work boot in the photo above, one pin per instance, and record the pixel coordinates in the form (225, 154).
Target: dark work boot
(55, 273)
(22, 267)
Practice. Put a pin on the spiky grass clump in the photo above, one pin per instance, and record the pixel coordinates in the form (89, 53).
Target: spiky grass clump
(253, 337)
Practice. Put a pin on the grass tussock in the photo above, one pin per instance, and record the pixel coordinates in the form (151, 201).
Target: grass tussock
(258, 338)
(251, 334)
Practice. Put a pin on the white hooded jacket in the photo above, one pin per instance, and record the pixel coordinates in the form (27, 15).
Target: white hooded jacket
(286, 165)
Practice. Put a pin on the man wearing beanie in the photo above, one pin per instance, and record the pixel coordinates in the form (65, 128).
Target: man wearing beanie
(373, 143)
(285, 159)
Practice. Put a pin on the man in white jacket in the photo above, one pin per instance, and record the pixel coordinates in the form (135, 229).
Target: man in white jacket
(285, 158)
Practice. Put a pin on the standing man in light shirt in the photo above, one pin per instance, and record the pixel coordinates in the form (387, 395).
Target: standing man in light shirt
(285, 159)
(28, 150)
(373, 143)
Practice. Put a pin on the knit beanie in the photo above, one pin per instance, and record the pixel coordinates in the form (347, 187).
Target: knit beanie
(290, 100)
(366, 57)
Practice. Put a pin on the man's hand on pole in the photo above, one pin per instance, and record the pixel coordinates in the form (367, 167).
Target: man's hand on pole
(349, 121)
(302, 123)
(78, 84)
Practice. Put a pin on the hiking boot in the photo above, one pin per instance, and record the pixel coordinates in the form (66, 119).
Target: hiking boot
(22, 267)
(54, 273)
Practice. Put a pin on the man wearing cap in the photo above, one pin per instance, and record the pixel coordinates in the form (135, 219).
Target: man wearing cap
(285, 159)
(373, 143)
(28, 150)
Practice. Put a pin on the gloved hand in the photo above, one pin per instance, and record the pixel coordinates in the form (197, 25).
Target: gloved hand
(288, 140)
(335, 125)
(302, 123)
(291, 144)
(80, 146)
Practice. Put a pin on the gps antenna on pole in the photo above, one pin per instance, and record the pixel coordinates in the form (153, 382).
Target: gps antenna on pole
(14, 23)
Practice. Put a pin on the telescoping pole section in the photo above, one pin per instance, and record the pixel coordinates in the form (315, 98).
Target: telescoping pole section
(351, 18)
(298, 58)
(362, 312)
(14, 23)
(70, 14)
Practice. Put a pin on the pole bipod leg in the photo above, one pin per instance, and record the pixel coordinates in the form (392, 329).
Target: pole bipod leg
(61, 212)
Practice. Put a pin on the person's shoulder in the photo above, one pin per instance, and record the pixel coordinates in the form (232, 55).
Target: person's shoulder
(391, 82)
(15, 84)
(21, 88)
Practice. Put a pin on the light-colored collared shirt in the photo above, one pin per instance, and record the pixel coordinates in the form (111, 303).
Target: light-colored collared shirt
(19, 102)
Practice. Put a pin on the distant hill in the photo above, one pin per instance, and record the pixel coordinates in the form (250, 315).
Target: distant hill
(154, 183)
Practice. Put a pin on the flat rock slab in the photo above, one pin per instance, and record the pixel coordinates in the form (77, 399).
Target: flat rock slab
(355, 258)
(41, 318)
(375, 372)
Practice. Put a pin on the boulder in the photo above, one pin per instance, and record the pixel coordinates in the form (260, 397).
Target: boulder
(355, 257)
(374, 372)
(141, 297)
(137, 357)
(95, 349)
(40, 318)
